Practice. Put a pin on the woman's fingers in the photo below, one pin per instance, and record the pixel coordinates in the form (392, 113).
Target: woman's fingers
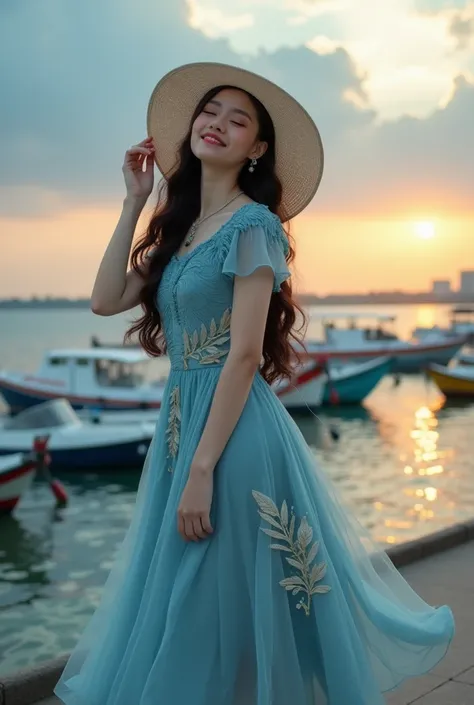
(198, 528)
(181, 526)
(136, 155)
(135, 152)
(194, 528)
(188, 529)
(150, 162)
(206, 524)
(136, 161)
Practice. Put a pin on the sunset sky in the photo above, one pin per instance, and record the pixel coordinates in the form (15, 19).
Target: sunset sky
(390, 84)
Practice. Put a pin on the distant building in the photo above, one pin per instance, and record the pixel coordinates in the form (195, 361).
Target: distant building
(441, 287)
(467, 282)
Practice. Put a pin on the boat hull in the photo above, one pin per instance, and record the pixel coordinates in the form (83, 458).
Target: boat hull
(15, 479)
(79, 446)
(407, 358)
(305, 391)
(104, 457)
(353, 385)
(451, 383)
(20, 397)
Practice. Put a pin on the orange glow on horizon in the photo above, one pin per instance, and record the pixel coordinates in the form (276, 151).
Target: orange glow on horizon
(60, 255)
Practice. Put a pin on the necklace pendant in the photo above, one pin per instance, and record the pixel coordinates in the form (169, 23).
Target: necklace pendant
(192, 232)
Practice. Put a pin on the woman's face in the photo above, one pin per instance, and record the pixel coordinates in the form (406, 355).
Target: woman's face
(225, 133)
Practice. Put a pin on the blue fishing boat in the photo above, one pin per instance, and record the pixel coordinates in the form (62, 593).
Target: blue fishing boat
(352, 383)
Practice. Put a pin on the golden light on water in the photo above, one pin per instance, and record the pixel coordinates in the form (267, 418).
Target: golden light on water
(426, 316)
(425, 460)
(431, 493)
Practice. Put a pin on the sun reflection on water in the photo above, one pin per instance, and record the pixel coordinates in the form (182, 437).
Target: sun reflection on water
(427, 462)
(423, 467)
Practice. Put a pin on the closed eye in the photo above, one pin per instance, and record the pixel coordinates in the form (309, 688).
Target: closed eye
(209, 112)
(240, 124)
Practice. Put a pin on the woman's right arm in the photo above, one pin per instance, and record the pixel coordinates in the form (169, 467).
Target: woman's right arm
(116, 290)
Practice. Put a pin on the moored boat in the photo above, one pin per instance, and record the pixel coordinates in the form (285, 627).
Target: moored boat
(17, 472)
(358, 343)
(305, 390)
(112, 379)
(104, 382)
(461, 322)
(352, 383)
(74, 444)
(453, 382)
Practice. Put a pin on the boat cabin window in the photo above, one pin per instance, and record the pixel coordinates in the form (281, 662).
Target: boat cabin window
(55, 361)
(110, 373)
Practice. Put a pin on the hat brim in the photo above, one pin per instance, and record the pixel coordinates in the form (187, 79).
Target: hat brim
(299, 149)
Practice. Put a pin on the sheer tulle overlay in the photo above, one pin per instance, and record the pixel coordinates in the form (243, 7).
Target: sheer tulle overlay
(289, 600)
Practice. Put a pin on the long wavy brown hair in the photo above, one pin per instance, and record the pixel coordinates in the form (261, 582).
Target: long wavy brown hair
(179, 204)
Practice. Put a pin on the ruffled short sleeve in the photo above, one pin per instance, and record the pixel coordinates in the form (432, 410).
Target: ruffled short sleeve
(258, 246)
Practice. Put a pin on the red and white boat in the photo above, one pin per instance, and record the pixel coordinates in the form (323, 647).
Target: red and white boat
(306, 389)
(17, 472)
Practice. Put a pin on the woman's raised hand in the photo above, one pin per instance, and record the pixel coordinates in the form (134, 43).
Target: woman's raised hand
(138, 169)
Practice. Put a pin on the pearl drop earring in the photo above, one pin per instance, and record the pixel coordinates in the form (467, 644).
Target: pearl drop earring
(253, 164)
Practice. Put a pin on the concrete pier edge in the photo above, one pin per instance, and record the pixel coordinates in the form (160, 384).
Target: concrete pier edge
(34, 684)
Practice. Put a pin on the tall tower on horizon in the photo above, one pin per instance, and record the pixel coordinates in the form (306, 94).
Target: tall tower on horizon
(466, 285)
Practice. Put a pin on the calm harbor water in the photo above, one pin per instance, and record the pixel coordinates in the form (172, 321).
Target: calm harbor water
(403, 462)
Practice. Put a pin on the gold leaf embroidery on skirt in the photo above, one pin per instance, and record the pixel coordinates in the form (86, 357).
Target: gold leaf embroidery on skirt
(174, 423)
(204, 345)
(301, 555)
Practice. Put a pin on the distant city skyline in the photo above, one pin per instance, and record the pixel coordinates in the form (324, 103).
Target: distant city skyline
(465, 284)
(440, 291)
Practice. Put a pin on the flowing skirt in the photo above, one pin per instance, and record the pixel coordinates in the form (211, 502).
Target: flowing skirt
(288, 601)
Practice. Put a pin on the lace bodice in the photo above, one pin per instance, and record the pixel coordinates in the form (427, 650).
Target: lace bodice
(196, 290)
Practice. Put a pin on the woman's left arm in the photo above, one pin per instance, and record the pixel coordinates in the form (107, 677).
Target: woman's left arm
(249, 316)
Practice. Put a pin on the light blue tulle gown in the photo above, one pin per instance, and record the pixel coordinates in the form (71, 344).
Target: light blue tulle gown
(289, 601)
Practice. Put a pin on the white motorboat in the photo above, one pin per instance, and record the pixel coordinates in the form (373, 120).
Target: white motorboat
(112, 379)
(74, 444)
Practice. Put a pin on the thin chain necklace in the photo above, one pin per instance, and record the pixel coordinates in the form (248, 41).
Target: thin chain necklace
(198, 222)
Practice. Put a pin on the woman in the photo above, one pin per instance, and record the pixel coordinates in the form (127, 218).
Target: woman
(241, 580)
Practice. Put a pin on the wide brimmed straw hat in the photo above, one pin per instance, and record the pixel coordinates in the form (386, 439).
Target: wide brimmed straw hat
(299, 150)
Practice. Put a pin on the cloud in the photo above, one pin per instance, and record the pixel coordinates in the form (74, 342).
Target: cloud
(79, 80)
(212, 22)
(435, 6)
(459, 16)
(408, 164)
(80, 77)
(81, 74)
(462, 27)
